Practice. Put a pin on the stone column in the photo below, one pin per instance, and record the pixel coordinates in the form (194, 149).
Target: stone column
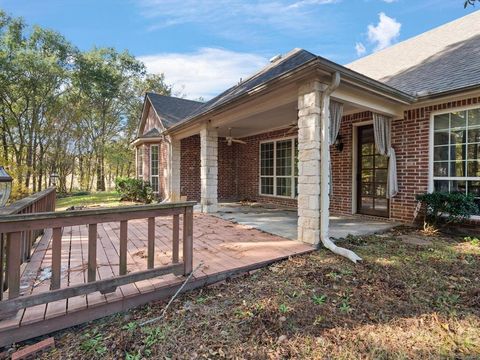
(309, 112)
(175, 170)
(209, 169)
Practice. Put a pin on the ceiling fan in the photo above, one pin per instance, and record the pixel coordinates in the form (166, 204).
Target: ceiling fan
(230, 139)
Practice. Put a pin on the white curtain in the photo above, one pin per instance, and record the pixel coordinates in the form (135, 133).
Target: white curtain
(382, 127)
(336, 113)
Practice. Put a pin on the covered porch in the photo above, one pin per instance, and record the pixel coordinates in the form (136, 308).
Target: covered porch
(279, 148)
(284, 221)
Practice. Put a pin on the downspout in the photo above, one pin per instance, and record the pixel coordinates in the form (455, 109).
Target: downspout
(325, 172)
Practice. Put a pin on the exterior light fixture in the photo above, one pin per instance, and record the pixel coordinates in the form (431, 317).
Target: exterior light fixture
(53, 179)
(338, 143)
(5, 186)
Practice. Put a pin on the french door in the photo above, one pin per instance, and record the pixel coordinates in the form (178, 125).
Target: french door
(372, 175)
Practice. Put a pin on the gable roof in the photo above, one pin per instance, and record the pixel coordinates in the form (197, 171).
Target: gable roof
(287, 63)
(438, 61)
(171, 110)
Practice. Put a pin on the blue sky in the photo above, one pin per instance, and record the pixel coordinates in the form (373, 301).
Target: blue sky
(205, 46)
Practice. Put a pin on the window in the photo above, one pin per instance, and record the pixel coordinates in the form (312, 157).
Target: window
(154, 167)
(278, 168)
(140, 162)
(456, 152)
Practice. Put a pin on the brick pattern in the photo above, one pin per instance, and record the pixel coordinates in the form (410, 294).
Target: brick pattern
(190, 168)
(247, 158)
(239, 164)
(342, 164)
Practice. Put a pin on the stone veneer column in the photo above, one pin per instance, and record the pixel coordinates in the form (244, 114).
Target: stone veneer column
(209, 169)
(175, 170)
(309, 111)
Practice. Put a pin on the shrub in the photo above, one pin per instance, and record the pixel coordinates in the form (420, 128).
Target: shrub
(453, 207)
(131, 189)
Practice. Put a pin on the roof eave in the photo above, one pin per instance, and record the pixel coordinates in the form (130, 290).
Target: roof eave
(314, 64)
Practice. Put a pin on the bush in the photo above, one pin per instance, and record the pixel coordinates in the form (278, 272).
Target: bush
(453, 207)
(131, 189)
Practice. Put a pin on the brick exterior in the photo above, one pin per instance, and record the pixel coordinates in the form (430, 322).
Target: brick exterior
(342, 163)
(238, 165)
(190, 168)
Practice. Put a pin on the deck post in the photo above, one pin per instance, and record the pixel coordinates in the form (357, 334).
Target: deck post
(123, 247)
(176, 230)
(14, 257)
(151, 243)
(92, 252)
(209, 169)
(56, 258)
(188, 240)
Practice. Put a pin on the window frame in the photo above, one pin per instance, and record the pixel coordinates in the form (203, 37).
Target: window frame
(139, 150)
(293, 176)
(158, 168)
(432, 178)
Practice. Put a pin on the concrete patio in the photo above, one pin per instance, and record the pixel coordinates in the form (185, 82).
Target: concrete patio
(283, 222)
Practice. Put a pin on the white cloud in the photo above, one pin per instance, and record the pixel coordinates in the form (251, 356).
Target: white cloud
(236, 14)
(384, 33)
(206, 72)
(389, 1)
(360, 49)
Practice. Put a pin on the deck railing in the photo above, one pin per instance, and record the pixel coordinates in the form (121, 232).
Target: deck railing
(14, 225)
(43, 201)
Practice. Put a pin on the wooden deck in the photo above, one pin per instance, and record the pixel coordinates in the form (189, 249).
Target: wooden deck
(224, 248)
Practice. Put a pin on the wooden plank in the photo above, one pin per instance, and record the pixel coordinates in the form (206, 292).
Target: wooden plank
(92, 252)
(175, 238)
(123, 247)
(13, 264)
(56, 258)
(37, 313)
(76, 270)
(100, 285)
(113, 255)
(13, 223)
(188, 240)
(151, 243)
(79, 317)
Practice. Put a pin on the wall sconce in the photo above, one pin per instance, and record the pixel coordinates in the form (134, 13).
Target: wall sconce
(338, 143)
(5, 187)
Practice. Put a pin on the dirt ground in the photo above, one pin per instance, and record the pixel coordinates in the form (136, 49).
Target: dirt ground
(406, 300)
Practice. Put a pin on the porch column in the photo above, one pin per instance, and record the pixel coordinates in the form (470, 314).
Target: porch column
(309, 112)
(208, 169)
(175, 170)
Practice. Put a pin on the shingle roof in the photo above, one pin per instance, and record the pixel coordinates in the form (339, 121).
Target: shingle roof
(437, 61)
(172, 109)
(289, 62)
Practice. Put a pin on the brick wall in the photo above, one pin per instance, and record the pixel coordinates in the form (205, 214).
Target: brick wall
(239, 164)
(248, 168)
(342, 163)
(411, 143)
(190, 168)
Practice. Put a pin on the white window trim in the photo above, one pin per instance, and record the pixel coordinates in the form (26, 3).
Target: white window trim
(431, 148)
(158, 175)
(137, 163)
(274, 141)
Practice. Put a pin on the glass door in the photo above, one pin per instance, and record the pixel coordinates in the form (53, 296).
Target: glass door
(371, 176)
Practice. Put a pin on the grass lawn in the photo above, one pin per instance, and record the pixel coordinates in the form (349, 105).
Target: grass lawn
(98, 199)
(404, 301)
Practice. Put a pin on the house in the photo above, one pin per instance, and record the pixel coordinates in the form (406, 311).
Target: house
(305, 132)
